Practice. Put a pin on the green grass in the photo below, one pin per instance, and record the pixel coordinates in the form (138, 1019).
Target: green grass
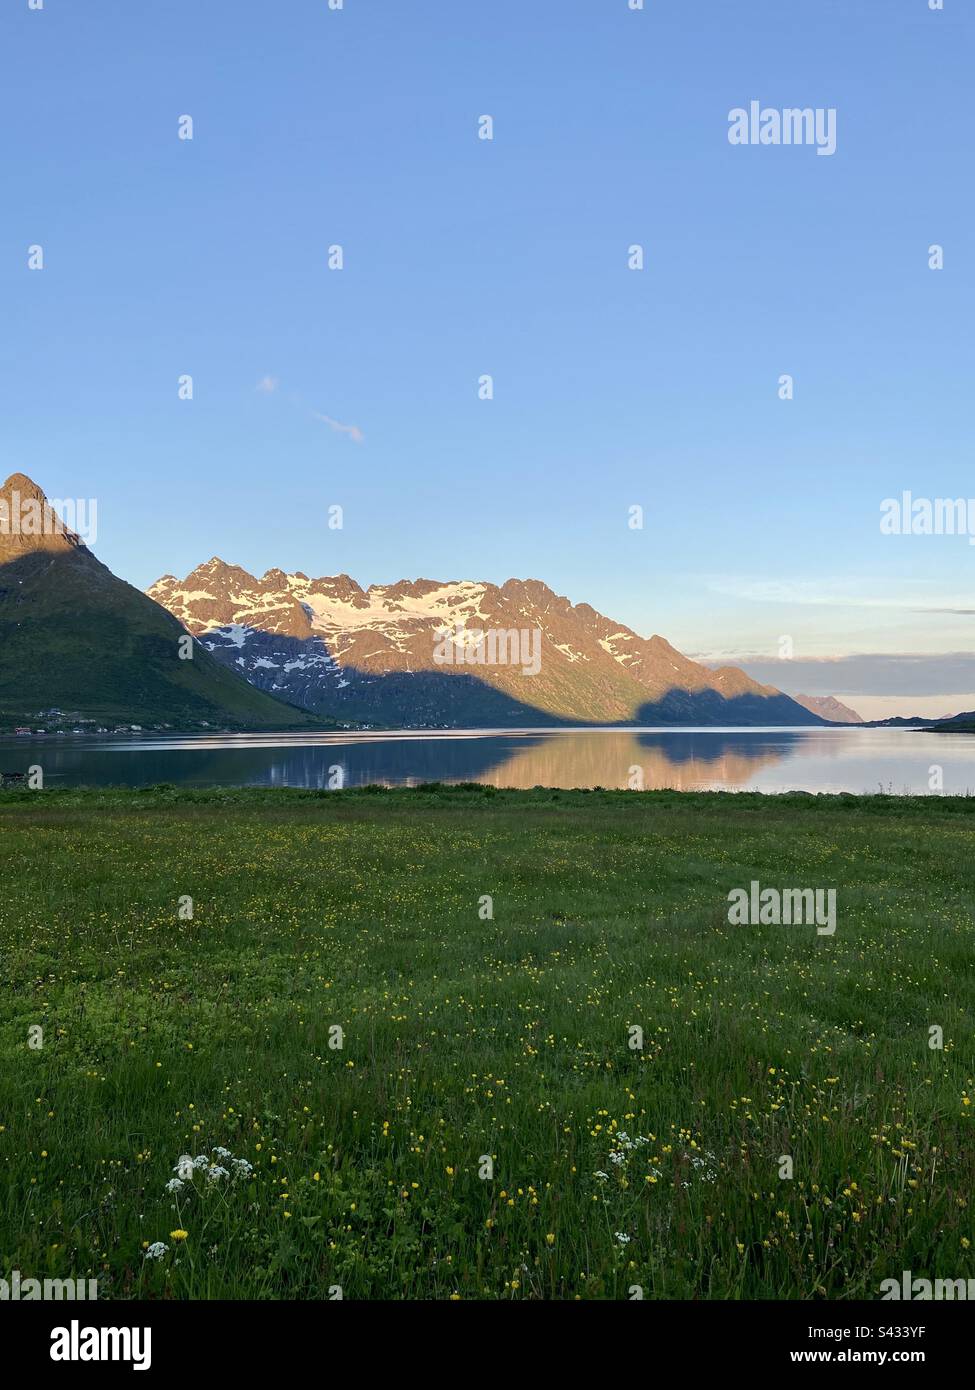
(465, 1037)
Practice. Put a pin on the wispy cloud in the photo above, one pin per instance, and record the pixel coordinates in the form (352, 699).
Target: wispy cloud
(267, 385)
(835, 593)
(353, 431)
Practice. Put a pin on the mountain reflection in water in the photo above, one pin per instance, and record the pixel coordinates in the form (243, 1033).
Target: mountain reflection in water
(820, 759)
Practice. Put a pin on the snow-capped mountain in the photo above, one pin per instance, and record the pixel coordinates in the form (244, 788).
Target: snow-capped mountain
(425, 653)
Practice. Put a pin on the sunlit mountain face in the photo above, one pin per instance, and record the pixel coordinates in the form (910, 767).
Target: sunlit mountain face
(455, 654)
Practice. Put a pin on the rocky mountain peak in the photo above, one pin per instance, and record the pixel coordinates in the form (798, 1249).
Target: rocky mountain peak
(377, 653)
(28, 522)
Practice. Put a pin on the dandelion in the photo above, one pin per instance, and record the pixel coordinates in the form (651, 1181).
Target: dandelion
(178, 1235)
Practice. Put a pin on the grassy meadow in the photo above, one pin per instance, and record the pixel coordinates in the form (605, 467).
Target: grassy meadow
(314, 1166)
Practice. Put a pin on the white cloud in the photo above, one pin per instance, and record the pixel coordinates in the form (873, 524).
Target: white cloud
(353, 431)
(835, 593)
(267, 385)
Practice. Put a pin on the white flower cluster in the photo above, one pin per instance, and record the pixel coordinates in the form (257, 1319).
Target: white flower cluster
(626, 1146)
(187, 1167)
(705, 1166)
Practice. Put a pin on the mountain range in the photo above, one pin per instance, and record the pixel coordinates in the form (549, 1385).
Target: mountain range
(287, 651)
(381, 655)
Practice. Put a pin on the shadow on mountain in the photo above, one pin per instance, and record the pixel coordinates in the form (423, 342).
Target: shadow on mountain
(711, 707)
(306, 673)
(75, 637)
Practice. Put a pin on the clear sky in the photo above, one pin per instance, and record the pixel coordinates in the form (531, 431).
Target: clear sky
(463, 257)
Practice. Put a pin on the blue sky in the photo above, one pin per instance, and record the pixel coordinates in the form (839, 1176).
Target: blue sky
(463, 257)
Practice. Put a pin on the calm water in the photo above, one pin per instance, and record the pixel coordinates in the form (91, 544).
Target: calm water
(770, 760)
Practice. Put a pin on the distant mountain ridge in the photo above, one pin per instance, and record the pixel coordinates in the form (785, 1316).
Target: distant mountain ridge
(352, 653)
(963, 723)
(829, 708)
(75, 637)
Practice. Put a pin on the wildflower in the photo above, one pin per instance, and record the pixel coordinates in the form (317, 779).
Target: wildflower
(156, 1250)
(178, 1235)
(174, 1185)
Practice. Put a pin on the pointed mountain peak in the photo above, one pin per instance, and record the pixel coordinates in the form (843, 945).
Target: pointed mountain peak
(26, 487)
(218, 571)
(28, 522)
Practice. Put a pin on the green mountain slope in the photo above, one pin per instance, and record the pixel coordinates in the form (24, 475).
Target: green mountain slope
(75, 637)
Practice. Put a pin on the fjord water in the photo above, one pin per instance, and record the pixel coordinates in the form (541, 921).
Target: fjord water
(895, 761)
